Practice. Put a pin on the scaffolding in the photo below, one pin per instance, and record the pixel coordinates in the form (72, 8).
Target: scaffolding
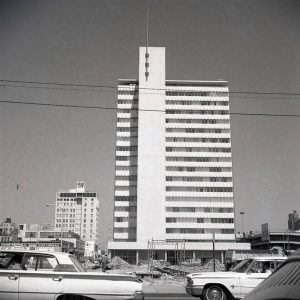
(178, 246)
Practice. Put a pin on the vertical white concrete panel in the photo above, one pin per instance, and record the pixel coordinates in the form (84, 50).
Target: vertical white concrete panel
(151, 146)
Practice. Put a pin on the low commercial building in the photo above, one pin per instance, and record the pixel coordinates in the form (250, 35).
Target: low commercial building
(50, 246)
(287, 240)
(40, 236)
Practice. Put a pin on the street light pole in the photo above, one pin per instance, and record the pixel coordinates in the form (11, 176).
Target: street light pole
(242, 213)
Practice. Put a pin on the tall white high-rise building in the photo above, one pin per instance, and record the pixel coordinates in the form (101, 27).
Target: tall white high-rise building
(77, 210)
(173, 181)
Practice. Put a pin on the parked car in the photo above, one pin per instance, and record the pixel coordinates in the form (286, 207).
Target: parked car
(236, 283)
(284, 283)
(29, 275)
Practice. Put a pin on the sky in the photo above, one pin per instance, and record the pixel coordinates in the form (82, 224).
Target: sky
(252, 44)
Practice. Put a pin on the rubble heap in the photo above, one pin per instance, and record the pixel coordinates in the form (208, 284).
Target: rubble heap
(209, 267)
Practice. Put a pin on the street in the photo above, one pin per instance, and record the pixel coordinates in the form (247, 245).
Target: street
(164, 296)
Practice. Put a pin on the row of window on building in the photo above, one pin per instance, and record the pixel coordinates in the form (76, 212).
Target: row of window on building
(180, 169)
(189, 93)
(211, 102)
(180, 121)
(182, 209)
(182, 220)
(182, 230)
(201, 209)
(199, 169)
(198, 130)
(180, 111)
(199, 189)
(76, 195)
(180, 178)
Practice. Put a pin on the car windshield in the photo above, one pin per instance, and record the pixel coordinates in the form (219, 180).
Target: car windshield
(242, 266)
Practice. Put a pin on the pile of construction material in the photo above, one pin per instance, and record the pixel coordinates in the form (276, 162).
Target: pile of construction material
(158, 272)
(192, 268)
(118, 263)
(210, 266)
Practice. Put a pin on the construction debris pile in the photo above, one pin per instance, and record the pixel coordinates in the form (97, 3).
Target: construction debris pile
(118, 263)
(158, 271)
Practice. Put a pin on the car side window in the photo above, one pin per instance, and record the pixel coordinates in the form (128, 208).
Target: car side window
(41, 263)
(10, 261)
(29, 263)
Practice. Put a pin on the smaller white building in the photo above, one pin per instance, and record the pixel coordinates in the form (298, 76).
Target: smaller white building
(77, 210)
(8, 231)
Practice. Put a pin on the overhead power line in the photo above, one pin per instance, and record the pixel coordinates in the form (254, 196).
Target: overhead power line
(60, 84)
(133, 109)
(114, 91)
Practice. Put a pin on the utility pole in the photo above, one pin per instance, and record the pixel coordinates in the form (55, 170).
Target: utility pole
(242, 214)
(61, 225)
(61, 229)
(214, 252)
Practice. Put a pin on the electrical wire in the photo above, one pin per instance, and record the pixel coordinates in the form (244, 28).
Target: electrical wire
(133, 109)
(116, 87)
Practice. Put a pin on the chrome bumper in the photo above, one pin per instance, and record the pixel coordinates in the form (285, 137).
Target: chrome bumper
(139, 296)
(195, 291)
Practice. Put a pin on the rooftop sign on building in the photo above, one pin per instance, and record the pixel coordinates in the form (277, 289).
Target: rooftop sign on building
(80, 187)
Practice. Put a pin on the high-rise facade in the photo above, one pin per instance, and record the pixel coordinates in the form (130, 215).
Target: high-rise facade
(294, 221)
(173, 160)
(77, 210)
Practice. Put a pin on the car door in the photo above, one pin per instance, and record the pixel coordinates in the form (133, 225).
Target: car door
(9, 275)
(252, 277)
(38, 277)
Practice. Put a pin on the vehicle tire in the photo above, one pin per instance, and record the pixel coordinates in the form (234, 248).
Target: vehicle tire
(214, 292)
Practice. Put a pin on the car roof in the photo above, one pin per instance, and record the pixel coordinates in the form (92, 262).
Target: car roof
(268, 257)
(36, 252)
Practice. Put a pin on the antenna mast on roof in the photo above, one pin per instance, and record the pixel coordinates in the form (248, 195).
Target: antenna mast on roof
(147, 42)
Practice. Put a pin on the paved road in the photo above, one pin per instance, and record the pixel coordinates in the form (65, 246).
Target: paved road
(164, 296)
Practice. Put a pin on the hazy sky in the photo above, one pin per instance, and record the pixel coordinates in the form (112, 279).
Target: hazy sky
(252, 44)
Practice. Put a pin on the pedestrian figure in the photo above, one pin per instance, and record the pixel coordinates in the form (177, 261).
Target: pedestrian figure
(104, 262)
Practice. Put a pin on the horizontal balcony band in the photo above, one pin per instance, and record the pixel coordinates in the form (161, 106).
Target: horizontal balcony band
(121, 214)
(195, 154)
(121, 224)
(120, 235)
(126, 183)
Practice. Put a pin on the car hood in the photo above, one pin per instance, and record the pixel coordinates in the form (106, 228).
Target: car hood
(213, 275)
